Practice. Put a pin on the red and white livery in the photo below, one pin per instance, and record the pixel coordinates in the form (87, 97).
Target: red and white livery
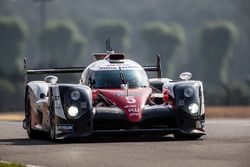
(114, 96)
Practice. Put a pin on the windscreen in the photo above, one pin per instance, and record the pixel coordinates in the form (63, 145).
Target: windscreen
(114, 79)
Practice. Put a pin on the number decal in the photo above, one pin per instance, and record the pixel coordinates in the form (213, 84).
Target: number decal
(130, 99)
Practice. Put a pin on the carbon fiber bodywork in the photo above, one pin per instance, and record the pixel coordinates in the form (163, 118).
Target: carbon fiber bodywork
(156, 119)
(161, 119)
(80, 125)
(112, 121)
(114, 118)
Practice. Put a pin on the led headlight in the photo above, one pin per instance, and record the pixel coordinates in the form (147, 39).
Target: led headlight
(193, 108)
(75, 95)
(73, 111)
(188, 92)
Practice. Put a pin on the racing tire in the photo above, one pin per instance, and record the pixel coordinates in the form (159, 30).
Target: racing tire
(33, 134)
(52, 130)
(179, 136)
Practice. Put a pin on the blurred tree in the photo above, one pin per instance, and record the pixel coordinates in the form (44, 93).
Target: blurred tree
(61, 44)
(217, 42)
(7, 90)
(165, 40)
(13, 32)
(116, 30)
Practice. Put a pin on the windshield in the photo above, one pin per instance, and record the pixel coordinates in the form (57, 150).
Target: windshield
(114, 79)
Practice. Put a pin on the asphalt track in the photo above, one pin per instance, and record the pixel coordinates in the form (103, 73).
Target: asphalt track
(226, 145)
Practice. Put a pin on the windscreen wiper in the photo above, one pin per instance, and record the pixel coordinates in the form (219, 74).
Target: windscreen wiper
(122, 76)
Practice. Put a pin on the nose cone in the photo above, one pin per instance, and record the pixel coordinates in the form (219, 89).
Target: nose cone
(132, 103)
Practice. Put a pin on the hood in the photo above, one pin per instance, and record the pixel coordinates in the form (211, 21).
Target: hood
(132, 103)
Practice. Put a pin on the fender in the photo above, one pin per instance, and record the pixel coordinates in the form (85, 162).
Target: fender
(38, 88)
(61, 101)
(187, 92)
(35, 91)
(184, 101)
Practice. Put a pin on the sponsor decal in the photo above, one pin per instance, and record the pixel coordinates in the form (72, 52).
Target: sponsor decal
(83, 105)
(64, 127)
(130, 106)
(57, 103)
(130, 94)
(134, 114)
(117, 66)
(56, 98)
(133, 109)
(107, 68)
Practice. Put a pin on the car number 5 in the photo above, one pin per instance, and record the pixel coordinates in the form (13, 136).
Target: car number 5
(130, 99)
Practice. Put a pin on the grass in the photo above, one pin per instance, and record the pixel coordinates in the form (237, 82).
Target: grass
(8, 164)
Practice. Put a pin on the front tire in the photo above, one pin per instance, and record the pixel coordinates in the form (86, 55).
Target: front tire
(33, 134)
(52, 130)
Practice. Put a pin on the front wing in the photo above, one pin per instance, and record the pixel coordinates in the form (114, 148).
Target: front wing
(157, 119)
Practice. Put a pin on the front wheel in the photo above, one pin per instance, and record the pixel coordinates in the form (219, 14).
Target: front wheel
(33, 134)
(52, 130)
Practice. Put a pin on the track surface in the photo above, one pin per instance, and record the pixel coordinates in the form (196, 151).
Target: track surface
(226, 145)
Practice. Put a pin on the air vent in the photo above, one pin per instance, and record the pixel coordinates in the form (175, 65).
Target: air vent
(116, 56)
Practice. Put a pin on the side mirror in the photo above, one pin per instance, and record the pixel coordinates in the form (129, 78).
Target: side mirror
(51, 79)
(186, 76)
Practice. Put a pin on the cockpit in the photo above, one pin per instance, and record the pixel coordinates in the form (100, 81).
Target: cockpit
(111, 79)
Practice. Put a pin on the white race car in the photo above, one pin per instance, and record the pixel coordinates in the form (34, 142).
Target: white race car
(114, 96)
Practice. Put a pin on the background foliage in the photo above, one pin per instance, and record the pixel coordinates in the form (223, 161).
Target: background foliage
(163, 39)
(61, 40)
(217, 44)
(209, 39)
(13, 33)
(116, 30)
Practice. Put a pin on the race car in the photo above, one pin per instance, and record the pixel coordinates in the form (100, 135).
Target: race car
(114, 96)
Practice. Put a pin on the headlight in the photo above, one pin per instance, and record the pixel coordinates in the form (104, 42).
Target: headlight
(75, 95)
(188, 92)
(193, 108)
(73, 111)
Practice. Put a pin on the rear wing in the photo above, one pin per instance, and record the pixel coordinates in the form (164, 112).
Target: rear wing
(156, 68)
(64, 70)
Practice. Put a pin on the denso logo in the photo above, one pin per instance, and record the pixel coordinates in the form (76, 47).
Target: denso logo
(130, 106)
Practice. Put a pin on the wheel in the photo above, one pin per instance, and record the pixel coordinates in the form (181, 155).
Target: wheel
(33, 134)
(179, 136)
(52, 128)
